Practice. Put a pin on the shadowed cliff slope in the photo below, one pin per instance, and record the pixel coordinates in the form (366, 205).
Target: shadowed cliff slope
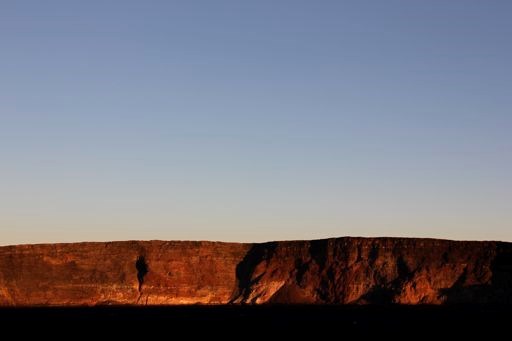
(341, 270)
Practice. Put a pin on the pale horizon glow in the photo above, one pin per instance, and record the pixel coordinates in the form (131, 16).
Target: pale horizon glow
(255, 121)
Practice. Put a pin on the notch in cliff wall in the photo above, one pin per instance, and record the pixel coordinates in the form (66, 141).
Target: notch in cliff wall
(142, 270)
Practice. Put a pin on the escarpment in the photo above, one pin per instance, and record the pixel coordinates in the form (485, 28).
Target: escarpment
(332, 271)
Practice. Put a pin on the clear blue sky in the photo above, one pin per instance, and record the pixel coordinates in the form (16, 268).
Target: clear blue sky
(255, 120)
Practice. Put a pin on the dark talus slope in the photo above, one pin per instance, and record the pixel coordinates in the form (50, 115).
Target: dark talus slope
(342, 270)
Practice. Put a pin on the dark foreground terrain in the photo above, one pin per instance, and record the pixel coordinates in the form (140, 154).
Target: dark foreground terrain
(246, 322)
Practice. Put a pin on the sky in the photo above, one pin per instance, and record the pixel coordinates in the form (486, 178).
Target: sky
(255, 120)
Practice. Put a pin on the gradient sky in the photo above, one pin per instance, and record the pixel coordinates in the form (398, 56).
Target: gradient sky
(255, 120)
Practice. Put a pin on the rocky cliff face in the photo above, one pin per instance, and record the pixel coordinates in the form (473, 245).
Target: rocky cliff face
(342, 270)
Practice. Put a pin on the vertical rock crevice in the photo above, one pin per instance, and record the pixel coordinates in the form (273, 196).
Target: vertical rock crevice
(142, 269)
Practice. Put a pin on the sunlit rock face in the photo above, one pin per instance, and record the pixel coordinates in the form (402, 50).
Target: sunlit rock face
(333, 271)
(132, 272)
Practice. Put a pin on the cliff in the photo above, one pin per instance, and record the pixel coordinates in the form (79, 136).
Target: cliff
(342, 270)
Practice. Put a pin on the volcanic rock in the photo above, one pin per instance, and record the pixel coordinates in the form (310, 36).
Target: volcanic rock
(331, 271)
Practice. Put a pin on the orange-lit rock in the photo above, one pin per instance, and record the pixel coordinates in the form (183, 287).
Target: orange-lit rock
(342, 270)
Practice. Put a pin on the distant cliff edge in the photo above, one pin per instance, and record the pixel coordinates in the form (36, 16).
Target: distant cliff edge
(333, 271)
